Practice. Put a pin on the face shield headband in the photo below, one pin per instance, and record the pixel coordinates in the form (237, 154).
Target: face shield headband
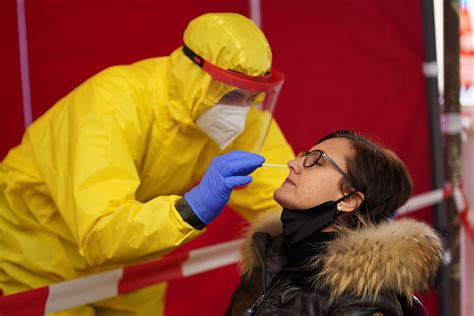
(270, 84)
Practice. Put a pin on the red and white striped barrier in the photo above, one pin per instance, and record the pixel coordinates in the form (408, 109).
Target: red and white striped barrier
(426, 199)
(436, 196)
(100, 286)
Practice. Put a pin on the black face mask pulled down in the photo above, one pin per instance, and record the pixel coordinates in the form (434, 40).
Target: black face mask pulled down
(300, 224)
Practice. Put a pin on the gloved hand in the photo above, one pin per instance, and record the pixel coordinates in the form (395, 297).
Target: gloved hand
(226, 172)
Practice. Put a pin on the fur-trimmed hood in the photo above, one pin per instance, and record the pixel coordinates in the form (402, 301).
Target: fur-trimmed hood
(402, 256)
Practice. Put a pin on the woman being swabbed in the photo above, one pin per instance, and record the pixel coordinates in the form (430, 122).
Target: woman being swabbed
(335, 250)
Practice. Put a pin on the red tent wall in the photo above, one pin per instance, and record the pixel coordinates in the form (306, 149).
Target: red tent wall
(11, 118)
(349, 64)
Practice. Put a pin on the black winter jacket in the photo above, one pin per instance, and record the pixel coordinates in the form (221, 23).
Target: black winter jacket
(373, 271)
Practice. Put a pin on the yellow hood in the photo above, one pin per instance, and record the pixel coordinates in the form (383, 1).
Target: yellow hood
(227, 40)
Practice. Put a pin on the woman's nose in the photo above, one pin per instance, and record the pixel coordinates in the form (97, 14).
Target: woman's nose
(295, 165)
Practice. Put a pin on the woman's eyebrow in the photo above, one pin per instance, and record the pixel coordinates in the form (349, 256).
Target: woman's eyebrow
(322, 151)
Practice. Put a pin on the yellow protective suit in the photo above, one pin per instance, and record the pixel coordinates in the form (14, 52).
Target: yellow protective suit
(94, 182)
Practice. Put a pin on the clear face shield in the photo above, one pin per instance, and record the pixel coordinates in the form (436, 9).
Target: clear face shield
(254, 99)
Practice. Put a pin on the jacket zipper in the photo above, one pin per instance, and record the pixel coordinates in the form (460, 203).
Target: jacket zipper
(253, 310)
(271, 288)
(249, 311)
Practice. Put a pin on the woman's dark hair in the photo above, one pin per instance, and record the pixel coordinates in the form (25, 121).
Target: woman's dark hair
(376, 172)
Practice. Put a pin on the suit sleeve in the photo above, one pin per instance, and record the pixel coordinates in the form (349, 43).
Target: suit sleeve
(96, 140)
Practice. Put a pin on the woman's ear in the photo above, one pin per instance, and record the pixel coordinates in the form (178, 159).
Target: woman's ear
(351, 203)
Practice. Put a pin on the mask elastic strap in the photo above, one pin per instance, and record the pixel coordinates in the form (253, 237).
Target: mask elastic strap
(346, 196)
(339, 213)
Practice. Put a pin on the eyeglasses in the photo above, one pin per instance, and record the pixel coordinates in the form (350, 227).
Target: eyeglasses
(312, 158)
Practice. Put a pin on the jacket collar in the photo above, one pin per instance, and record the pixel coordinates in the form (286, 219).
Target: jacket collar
(402, 256)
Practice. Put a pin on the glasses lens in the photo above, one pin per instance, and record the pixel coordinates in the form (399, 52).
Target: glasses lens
(311, 158)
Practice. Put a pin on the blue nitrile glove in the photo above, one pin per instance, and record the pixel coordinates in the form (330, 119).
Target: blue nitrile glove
(226, 172)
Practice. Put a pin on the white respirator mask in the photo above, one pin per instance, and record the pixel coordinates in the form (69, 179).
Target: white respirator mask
(223, 123)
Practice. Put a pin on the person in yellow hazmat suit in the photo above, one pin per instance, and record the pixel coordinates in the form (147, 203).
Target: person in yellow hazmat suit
(107, 177)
